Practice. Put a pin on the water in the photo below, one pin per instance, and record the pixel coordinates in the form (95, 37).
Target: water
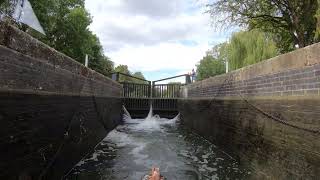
(132, 149)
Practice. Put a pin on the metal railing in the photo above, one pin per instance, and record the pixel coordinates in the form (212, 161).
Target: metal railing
(149, 89)
(116, 77)
(166, 90)
(135, 90)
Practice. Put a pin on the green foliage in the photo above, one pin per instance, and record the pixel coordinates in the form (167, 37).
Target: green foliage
(124, 69)
(66, 25)
(244, 48)
(211, 65)
(138, 75)
(6, 6)
(76, 40)
(292, 22)
(249, 47)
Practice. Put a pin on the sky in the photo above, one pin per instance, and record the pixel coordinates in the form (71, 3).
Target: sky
(160, 38)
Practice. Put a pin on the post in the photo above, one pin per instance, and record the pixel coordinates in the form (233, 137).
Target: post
(188, 79)
(86, 61)
(150, 89)
(227, 66)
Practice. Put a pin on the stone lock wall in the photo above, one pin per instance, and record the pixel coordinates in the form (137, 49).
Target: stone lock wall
(53, 110)
(266, 115)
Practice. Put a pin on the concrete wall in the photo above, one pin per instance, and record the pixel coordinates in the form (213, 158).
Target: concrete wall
(266, 114)
(53, 110)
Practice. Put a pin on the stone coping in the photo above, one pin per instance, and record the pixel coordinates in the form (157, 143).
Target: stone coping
(273, 98)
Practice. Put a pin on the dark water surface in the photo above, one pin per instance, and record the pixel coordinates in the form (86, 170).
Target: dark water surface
(131, 150)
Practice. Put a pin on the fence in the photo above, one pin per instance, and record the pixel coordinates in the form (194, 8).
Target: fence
(166, 90)
(135, 90)
(144, 89)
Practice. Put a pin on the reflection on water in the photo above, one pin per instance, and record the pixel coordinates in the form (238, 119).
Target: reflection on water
(131, 150)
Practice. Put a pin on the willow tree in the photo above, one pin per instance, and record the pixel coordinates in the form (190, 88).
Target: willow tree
(249, 47)
(293, 22)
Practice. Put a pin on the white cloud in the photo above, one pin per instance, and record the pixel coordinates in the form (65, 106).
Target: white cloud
(160, 56)
(153, 35)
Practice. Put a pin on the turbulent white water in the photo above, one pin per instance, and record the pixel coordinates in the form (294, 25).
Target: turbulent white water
(132, 149)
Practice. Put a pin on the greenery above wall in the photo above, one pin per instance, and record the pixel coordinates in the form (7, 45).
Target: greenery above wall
(66, 24)
(243, 49)
(270, 27)
(249, 47)
(213, 63)
(125, 70)
(292, 22)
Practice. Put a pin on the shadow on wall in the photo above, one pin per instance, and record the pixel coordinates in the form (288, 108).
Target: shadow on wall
(272, 150)
(53, 110)
(48, 135)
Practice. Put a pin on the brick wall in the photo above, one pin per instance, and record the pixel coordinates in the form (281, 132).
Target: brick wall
(269, 149)
(291, 78)
(266, 115)
(53, 110)
(20, 53)
(298, 82)
(20, 72)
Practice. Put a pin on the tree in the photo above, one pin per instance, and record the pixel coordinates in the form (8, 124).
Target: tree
(292, 21)
(66, 25)
(52, 15)
(249, 47)
(74, 38)
(125, 70)
(243, 49)
(209, 66)
(213, 63)
(139, 75)
(139, 90)
(6, 6)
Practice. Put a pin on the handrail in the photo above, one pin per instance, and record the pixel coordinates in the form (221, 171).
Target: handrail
(130, 76)
(170, 78)
(133, 83)
(171, 84)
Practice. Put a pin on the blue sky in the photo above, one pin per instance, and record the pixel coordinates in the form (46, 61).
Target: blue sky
(160, 38)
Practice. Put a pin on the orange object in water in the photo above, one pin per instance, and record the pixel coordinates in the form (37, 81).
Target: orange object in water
(155, 174)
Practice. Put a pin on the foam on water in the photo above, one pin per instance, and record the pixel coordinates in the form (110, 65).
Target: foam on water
(119, 138)
(139, 144)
